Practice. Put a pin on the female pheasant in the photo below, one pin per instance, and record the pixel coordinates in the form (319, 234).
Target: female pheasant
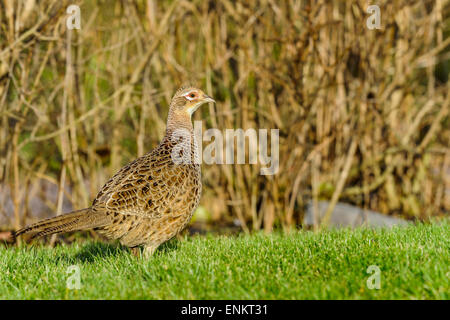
(151, 199)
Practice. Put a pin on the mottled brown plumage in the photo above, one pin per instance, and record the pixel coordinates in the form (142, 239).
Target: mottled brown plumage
(152, 198)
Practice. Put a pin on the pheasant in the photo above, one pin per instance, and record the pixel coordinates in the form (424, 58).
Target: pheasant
(151, 199)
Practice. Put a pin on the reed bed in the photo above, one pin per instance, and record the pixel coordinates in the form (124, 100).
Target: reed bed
(363, 114)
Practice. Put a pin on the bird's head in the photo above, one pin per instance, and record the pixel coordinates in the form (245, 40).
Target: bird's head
(187, 99)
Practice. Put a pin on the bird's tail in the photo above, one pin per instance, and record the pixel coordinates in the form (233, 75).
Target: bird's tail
(73, 221)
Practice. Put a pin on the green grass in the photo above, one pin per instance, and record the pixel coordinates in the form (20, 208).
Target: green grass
(414, 264)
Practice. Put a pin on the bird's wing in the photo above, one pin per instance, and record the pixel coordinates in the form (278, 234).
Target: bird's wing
(145, 187)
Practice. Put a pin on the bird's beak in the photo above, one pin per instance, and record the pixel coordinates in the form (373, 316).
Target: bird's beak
(207, 98)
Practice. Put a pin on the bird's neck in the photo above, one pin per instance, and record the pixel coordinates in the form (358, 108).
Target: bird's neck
(179, 120)
(179, 128)
(180, 136)
(180, 133)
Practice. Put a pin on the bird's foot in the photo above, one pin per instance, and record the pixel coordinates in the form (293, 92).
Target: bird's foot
(149, 251)
(136, 251)
(145, 253)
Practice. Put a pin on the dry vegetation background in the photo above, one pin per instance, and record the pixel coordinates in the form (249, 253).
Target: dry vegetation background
(363, 114)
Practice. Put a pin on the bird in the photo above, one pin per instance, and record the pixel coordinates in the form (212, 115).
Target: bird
(151, 199)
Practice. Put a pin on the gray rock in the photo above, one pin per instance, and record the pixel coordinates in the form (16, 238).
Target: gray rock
(41, 194)
(345, 215)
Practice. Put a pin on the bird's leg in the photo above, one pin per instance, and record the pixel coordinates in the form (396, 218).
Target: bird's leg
(149, 250)
(136, 251)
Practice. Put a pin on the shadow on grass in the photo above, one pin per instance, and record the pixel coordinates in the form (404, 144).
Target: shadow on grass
(98, 250)
(92, 252)
(163, 249)
(168, 246)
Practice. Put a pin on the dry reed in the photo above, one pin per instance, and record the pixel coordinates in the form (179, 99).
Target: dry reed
(363, 114)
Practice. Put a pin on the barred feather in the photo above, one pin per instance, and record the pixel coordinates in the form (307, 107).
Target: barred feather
(73, 221)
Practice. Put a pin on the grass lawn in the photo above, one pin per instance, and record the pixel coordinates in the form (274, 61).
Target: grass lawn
(414, 263)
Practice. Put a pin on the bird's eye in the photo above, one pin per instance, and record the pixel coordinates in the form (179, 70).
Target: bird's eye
(191, 95)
